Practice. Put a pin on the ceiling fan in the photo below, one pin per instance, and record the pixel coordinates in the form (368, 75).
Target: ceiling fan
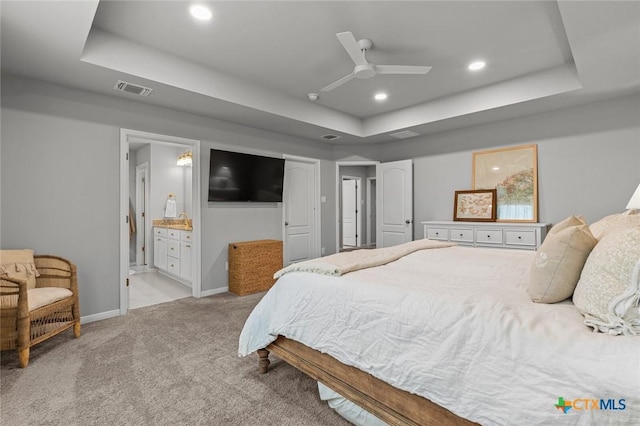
(364, 69)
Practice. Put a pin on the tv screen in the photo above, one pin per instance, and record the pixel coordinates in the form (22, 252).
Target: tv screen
(234, 176)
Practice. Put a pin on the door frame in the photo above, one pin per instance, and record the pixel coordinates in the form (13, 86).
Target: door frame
(316, 249)
(338, 192)
(358, 209)
(142, 198)
(127, 135)
(371, 207)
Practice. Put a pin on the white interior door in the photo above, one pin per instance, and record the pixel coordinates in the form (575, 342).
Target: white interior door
(371, 211)
(349, 212)
(299, 211)
(142, 197)
(394, 203)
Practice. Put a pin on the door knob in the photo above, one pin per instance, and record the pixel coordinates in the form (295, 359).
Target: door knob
(407, 221)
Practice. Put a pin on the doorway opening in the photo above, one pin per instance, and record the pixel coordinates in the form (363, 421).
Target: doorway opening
(149, 172)
(351, 212)
(356, 213)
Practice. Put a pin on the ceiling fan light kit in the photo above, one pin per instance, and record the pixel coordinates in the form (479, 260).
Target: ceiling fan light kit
(363, 69)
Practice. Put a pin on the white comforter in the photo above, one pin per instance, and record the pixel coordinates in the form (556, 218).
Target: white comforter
(456, 326)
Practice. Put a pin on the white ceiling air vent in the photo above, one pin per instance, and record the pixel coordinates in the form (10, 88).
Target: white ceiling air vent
(123, 86)
(330, 137)
(404, 134)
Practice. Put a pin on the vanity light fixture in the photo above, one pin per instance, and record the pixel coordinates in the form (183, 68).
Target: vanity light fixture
(200, 12)
(380, 96)
(186, 159)
(476, 65)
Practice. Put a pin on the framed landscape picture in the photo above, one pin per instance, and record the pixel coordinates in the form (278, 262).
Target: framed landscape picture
(477, 206)
(513, 173)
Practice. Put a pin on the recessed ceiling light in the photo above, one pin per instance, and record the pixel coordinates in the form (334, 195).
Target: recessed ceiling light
(380, 96)
(201, 12)
(477, 65)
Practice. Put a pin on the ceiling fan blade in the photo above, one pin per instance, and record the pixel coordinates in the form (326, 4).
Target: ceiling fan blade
(351, 46)
(401, 69)
(338, 82)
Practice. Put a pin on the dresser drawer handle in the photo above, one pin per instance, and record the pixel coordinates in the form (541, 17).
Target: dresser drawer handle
(488, 236)
(461, 235)
(519, 237)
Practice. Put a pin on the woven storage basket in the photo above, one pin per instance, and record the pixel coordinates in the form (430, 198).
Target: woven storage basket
(252, 265)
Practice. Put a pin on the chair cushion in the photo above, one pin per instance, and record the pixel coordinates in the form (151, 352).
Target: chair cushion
(19, 264)
(43, 296)
(37, 297)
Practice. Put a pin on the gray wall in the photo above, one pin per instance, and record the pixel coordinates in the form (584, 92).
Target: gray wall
(588, 160)
(60, 180)
(60, 173)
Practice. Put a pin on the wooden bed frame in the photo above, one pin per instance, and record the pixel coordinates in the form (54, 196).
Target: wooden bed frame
(394, 406)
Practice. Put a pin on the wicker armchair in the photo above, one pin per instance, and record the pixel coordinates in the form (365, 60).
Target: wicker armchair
(25, 322)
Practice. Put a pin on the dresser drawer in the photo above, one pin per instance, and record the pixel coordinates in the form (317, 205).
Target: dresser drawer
(173, 248)
(463, 235)
(185, 236)
(520, 238)
(159, 232)
(489, 236)
(438, 234)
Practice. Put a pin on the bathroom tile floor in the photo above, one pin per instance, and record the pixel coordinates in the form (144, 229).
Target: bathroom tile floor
(150, 288)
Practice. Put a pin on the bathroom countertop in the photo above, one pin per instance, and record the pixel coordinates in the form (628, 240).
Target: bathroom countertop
(182, 224)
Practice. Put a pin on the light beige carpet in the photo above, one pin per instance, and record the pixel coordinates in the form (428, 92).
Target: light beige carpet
(169, 364)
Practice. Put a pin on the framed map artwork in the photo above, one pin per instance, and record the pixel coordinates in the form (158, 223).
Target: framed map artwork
(477, 206)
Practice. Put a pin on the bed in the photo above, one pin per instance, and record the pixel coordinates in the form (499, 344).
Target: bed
(448, 335)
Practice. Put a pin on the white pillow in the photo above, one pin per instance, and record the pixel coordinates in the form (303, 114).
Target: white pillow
(607, 293)
(615, 221)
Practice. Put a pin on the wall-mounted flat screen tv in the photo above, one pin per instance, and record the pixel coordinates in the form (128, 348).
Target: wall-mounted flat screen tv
(234, 176)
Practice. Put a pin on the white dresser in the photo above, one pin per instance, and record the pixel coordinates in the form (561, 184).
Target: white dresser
(172, 252)
(525, 236)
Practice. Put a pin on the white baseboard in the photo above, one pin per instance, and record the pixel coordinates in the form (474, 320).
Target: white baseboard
(97, 317)
(116, 312)
(205, 293)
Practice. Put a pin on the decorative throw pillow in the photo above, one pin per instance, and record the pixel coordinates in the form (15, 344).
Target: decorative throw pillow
(609, 223)
(572, 220)
(607, 293)
(557, 266)
(19, 264)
